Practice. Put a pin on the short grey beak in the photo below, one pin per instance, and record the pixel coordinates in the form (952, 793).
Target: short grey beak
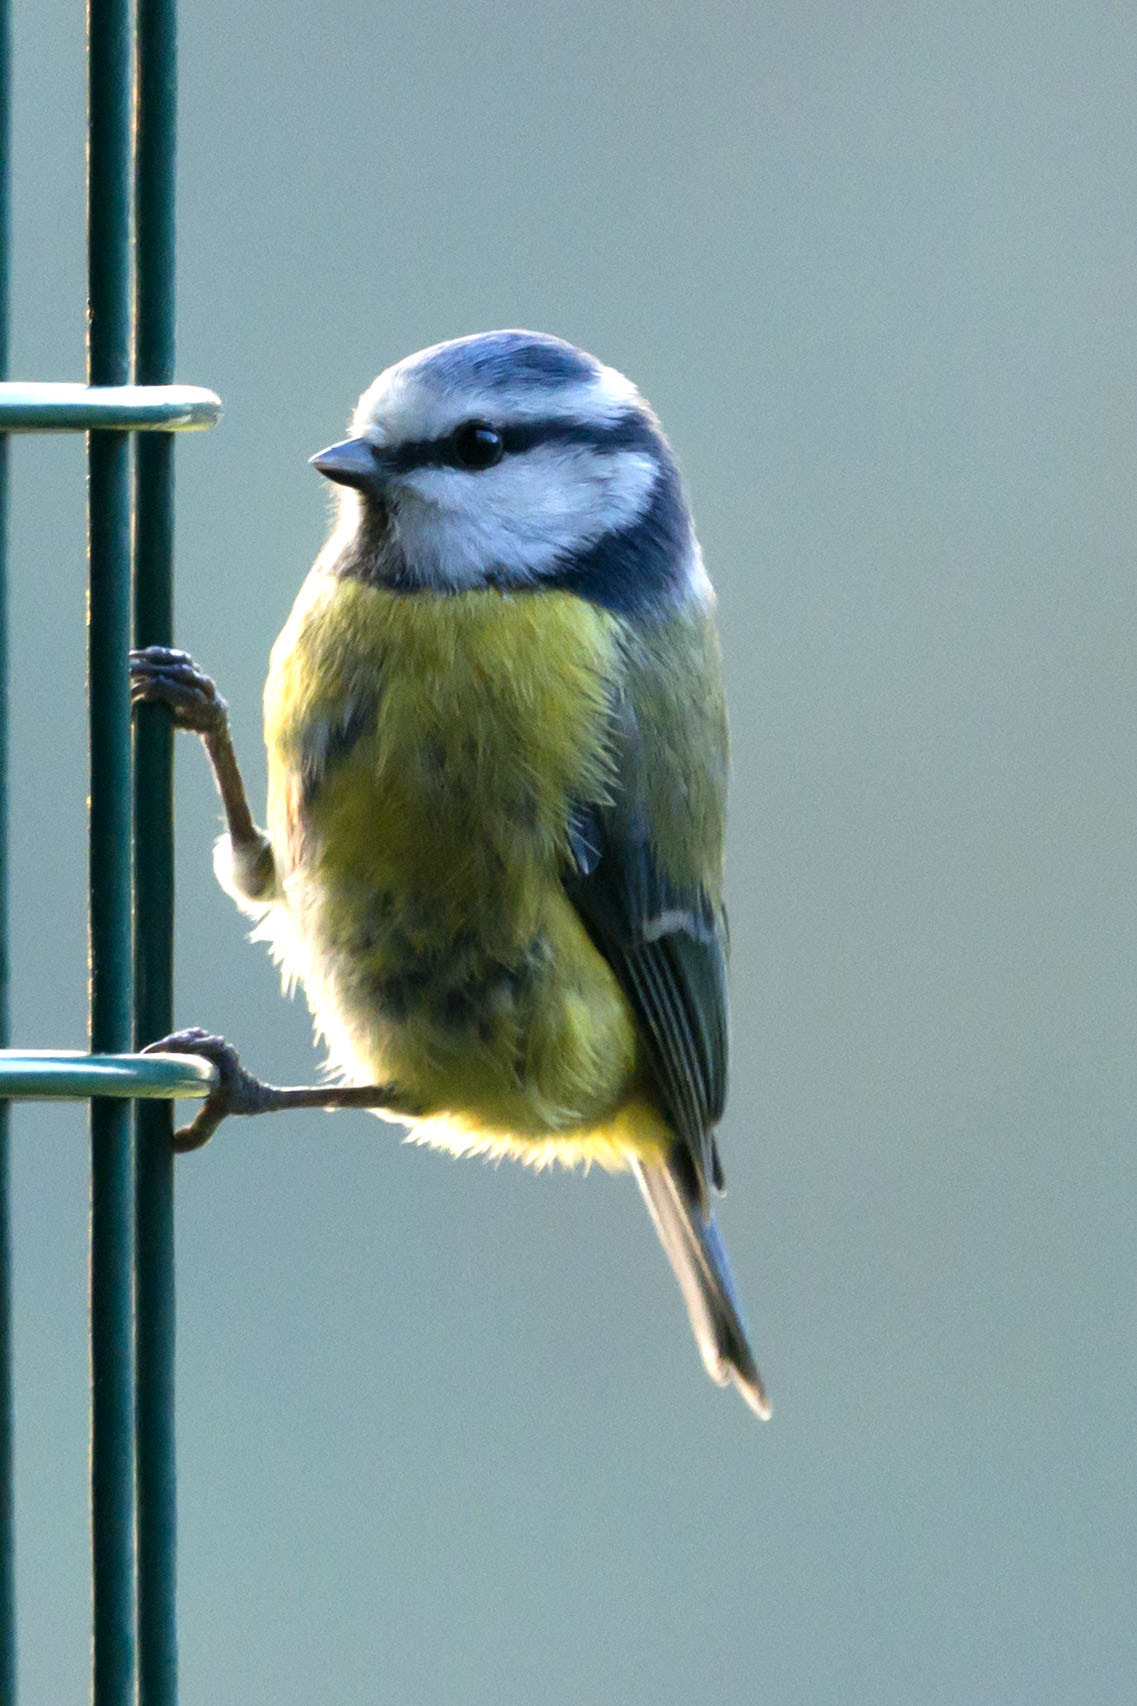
(351, 463)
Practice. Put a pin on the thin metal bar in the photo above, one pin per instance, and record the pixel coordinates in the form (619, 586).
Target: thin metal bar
(38, 1075)
(156, 61)
(48, 406)
(108, 356)
(7, 1491)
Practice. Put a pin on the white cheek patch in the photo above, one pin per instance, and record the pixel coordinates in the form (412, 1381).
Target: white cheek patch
(522, 518)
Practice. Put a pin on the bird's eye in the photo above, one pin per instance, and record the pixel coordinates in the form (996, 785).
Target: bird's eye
(477, 445)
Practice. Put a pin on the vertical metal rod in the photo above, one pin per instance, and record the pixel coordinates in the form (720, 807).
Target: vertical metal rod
(7, 1496)
(112, 1399)
(154, 859)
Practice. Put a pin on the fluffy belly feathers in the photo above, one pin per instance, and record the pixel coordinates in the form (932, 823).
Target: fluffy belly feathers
(422, 774)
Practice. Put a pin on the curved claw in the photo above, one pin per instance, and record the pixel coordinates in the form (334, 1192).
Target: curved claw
(236, 1091)
(160, 675)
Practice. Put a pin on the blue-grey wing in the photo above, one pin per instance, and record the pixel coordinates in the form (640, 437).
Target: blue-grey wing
(654, 911)
(645, 874)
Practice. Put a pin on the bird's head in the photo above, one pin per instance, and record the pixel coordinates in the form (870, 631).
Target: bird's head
(513, 460)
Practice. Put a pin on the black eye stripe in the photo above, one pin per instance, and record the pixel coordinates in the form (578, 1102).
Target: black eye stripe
(626, 432)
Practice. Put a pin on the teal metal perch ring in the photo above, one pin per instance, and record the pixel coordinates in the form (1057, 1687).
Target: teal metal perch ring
(35, 1075)
(39, 406)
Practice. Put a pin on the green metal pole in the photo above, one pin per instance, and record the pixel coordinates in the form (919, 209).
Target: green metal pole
(7, 1497)
(108, 359)
(154, 860)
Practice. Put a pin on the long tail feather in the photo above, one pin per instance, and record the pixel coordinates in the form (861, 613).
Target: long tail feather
(688, 1233)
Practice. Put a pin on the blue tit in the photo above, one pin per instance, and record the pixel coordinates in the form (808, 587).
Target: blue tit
(497, 765)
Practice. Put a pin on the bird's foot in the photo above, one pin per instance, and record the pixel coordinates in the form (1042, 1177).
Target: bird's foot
(236, 1091)
(159, 675)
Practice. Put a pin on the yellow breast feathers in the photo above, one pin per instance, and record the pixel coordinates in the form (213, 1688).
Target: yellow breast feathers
(425, 756)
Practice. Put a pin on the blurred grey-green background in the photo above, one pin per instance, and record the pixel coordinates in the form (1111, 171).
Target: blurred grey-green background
(443, 1434)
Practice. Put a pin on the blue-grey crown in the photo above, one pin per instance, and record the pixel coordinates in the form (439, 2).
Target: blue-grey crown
(501, 361)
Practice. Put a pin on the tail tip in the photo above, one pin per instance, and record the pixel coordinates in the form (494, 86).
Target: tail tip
(737, 1369)
(754, 1393)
